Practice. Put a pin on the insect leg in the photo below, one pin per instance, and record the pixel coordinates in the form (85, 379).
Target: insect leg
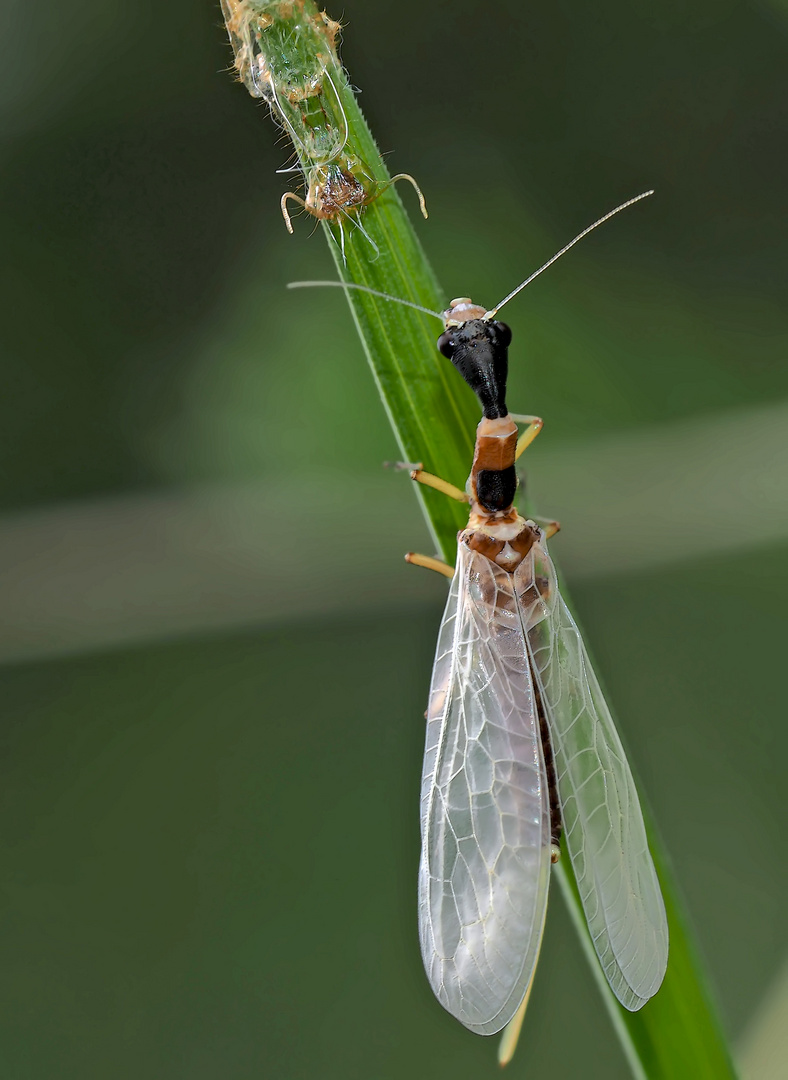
(296, 198)
(402, 466)
(409, 178)
(429, 480)
(547, 525)
(535, 424)
(429, 563)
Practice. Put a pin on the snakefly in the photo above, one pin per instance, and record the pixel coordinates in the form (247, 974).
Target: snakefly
(521, 746)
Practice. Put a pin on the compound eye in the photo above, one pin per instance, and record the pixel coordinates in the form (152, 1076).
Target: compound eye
(504, 334)
(446, 344)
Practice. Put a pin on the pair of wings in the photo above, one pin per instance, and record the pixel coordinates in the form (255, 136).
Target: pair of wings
(485, 816)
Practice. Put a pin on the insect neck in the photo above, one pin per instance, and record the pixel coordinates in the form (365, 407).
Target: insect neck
(493, 480)
(495, 529)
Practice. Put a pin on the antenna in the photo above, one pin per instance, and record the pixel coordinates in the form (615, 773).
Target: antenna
(611, 213)
(362, 288)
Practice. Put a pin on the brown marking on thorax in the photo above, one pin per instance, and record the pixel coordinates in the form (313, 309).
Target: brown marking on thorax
(506, 553)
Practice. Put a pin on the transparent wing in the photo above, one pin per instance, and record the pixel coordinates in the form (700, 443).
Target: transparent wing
(603, 823)
(485, 816)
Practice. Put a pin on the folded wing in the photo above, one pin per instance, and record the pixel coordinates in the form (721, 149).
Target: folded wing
(603, 823)
(485, 817)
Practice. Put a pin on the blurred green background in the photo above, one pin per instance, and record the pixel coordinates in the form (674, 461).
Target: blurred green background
(215, 662)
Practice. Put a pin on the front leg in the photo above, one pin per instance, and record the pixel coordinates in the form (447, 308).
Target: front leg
(535, 425)
(422, 477)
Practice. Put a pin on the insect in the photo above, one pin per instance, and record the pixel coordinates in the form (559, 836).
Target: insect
(289, 59)
(521, 746)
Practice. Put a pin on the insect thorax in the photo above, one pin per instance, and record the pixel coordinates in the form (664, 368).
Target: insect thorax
(505, 542)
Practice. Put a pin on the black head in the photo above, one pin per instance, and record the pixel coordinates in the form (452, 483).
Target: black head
(478, 349)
